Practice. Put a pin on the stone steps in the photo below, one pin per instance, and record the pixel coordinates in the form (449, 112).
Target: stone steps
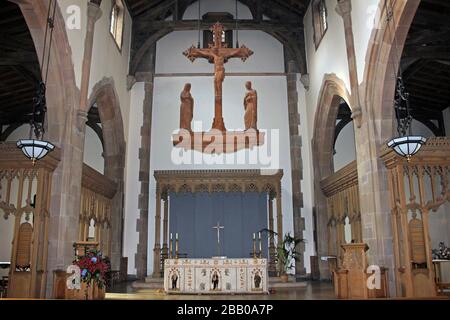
(274, 283)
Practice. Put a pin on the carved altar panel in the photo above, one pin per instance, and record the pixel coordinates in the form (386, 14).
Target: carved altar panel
(215, 276)
(418, 252)
(23, 256)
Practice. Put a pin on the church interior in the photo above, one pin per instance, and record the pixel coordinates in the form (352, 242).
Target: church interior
(233, 149)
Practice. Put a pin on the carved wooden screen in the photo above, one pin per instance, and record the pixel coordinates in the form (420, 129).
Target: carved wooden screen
(417, 239)
(341, 190)
(96, 202)
(23, 255)
(417, 189)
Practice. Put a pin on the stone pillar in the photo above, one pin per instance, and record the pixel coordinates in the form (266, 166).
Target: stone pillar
(66, 182)
(157, 247)
(344, 9)
(296, 165)
(93, 14)
(272, 249)
(279, 218)
(144, 176)
(372, 181)
(165, 248)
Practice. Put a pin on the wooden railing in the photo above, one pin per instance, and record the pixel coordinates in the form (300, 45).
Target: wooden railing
(418, 189)
(341, 190)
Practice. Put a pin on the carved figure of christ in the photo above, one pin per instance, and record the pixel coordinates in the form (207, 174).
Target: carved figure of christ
(219, 54)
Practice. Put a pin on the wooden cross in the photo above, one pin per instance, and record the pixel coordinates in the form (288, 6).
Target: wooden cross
(219, 54)
(218, 227)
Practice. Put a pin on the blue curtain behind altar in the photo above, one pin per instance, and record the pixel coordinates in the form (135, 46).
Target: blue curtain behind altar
(193, 216)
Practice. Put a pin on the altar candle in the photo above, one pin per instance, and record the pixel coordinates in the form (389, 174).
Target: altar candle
(176, 246)
(260, 245)
(254, 236)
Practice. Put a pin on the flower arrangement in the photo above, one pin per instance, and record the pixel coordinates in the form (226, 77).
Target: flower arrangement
(93, 266)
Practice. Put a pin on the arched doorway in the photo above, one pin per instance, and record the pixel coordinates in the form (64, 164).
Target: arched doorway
(330, 229)
(410, 40)
(105, 100)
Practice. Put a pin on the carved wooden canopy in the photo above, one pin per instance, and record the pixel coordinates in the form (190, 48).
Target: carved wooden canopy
(183, 181)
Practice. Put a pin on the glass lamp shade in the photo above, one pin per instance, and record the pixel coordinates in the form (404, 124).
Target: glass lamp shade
(407, 146)
(35, 149)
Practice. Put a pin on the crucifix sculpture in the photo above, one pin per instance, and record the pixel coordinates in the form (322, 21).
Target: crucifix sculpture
(218, 227)
(219, 54)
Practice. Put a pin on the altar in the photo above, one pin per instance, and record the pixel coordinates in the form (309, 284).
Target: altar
(215, 276)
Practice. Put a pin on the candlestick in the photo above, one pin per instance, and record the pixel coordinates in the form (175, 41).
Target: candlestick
(176, 247)
(260, 246)
(170, 247)
(254, 245)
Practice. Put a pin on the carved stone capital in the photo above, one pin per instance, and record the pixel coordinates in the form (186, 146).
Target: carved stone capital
(344, 8)
(304, 79)
(144, 77)
(131, 81)
(82, 118)
(357, 116)
(93, 11)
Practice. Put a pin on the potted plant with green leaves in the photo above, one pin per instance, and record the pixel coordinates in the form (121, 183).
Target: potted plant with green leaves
(286, 255)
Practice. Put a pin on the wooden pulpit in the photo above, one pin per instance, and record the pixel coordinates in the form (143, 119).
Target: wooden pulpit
(351, 279)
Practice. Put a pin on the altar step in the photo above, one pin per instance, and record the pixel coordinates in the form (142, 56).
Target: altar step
(151, 283)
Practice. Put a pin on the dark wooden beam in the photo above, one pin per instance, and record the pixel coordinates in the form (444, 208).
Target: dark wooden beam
(144, 26)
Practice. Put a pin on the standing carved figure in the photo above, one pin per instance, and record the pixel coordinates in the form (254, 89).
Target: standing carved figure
(186, 108)
(215, 280)
(250, 106)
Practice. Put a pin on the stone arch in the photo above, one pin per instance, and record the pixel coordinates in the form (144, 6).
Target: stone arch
(63, 130)
(381, 57)
(61, 92)
(104, 95)
(332, 91)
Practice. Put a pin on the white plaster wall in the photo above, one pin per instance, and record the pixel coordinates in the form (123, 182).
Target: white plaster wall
(132, 185)
(93, 150)
(107, 60)
(69, 9)
(330, 57)
(418, 128)
(365, 17)
(345, 147)
(272, 113)
(307, 184)
(22, 132)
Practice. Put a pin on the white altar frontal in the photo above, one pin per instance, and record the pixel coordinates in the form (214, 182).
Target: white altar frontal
(215, 276)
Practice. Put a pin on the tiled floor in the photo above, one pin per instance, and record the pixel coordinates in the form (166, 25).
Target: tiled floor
(313, 291)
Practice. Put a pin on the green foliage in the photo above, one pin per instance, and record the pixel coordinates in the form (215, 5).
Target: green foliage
(286, 254)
